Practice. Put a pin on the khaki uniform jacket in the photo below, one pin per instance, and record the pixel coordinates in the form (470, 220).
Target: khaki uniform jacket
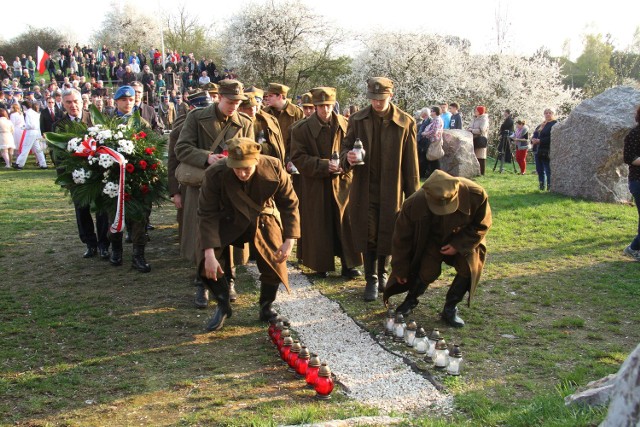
(182, 110)
(172, 161)
(167, 114)
(288, 116)
(200, 130)
(465, 230)
(224, 217)
(274, 142)
(316, 212)
(399, 176)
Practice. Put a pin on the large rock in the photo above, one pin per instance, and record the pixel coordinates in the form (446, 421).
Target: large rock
(586, 149)
(624, 409)
(459, 158)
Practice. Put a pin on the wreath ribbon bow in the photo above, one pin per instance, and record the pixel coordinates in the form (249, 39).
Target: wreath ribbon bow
(90, 148)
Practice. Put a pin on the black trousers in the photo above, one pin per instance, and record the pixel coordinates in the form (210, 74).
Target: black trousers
(94, 237)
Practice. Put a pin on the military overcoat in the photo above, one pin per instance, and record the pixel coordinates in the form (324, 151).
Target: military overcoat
(224, 217)
(399, 176)
(317, 186)
(465, 230)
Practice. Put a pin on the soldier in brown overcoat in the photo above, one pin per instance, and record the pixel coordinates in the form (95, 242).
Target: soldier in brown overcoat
(324, 190)
(388, 176)
(202, 142)
(265, 128)
(445, 221)
(283, 110)
(244, 198)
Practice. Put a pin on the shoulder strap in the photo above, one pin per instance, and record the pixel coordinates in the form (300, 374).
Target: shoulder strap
(218, 139)
(249, 201)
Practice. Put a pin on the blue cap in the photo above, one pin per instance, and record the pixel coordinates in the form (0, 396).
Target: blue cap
(124, 91)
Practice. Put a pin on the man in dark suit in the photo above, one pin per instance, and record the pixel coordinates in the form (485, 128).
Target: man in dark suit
(96, 239)
(49, 116)
(147, 112)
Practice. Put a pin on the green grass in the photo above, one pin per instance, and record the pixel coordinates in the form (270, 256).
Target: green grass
(84, 343)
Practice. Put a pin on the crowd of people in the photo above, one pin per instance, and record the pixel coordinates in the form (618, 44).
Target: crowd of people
(253, 174)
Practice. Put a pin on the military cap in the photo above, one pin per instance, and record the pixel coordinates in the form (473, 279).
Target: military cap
(200, 99)
(251, 100)
(124, 91)
(211, 87)
(306, 100)
(278, 89)
(379, 88)
(442, 193)
(243, 152)
(257, 92)
(232, 89)
(7, 92)
(323, 95)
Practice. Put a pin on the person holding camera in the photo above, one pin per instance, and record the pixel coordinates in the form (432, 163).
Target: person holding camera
(479, 127)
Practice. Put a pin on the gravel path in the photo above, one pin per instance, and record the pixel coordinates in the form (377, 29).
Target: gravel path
(370, 374)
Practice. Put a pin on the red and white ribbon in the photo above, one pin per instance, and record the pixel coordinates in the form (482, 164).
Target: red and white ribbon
(90, 148)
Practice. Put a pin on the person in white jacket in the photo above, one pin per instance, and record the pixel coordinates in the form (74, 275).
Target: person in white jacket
(32, 128)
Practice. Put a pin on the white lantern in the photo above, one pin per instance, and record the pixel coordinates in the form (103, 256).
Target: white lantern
(389, 328)
(431, 341)
(421, 343)
(440, 358)
(410, 333)
(455, 361)
(358, 149)
(399, 328)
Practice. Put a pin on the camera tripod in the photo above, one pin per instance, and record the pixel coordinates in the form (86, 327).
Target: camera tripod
(504, 148)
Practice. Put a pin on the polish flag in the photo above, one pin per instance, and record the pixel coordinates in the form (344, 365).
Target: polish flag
(42, 60)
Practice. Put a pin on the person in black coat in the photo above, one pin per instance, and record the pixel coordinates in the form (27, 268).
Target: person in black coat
(506, 129)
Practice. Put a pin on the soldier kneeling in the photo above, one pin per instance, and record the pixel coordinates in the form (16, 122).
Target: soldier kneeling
(244, 198)
(445, 221)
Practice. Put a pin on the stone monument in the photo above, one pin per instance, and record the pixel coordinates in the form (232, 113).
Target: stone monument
(586, 148)
(459, 158)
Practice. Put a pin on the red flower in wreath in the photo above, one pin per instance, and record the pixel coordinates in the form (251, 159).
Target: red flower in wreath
(149, 150)
(130, 168)
(154, 166)
(142, 164)
(139, 135)
(127, 197)
(144, 188)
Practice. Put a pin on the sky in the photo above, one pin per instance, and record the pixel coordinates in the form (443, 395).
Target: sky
(530, 24)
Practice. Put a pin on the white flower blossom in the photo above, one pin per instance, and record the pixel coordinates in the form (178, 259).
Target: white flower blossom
(94, 130)
(79, 176)
(104, 134)
(122, 126)
(118, 135)
(110, 189)
(73, 144)
(125, 146)
(105, 161)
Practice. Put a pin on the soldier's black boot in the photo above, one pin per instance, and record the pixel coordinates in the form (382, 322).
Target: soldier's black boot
(383, 275)
(116, 249)
(456, 293)
(349, 272)
(138, 261)
(220, 291)
(371, 288)
(267, 297)
(202, 293)
(411, 300)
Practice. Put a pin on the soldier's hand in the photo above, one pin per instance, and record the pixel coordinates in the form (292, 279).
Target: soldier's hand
(212, 268)
(352, 158)
(334, 168)
(401, 280)
(214, 158)
(177, 201)
(285, 250)
(448, 250)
